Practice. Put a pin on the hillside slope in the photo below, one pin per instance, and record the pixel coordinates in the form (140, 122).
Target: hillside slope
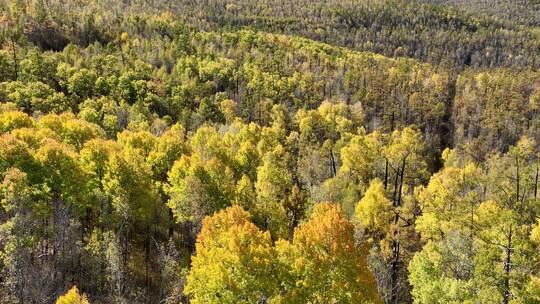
(524, 12)
(433, 33)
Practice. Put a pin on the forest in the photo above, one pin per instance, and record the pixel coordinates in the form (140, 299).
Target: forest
(269, 152)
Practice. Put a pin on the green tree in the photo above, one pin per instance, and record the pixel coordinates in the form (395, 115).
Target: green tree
(444, 271)
(81, 83)
(274, 183)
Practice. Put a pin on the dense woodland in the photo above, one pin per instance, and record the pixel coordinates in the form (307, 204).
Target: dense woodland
(290, 151)
(521, 12)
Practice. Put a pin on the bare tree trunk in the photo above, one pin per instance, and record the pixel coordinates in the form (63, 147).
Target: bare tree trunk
(122, 54)
(401, 182)
(394, 269)
(536, 183)
(15, 60)
(385, 173)
(517, 180)
(394, 265)
(506, 282)
(147, 262)
(333, 163)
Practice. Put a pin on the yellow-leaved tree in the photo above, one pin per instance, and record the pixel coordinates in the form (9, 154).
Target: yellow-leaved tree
(323, 263)
(73, 296)
(233, 262)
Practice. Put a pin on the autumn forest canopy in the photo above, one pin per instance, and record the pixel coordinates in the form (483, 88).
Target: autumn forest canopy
(269, 152)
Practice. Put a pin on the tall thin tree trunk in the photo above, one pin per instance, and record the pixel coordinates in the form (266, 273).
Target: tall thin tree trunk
(122, 54)
(394, 271)
(401, 181)
(517, 180)
(536, 183)
(333, 163)
(15, 60)
(147, 261)
(507, 263)
(385, 173)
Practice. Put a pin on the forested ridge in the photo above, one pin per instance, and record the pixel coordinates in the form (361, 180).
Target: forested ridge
(268, 152)
(415, 29)
(523, 12)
